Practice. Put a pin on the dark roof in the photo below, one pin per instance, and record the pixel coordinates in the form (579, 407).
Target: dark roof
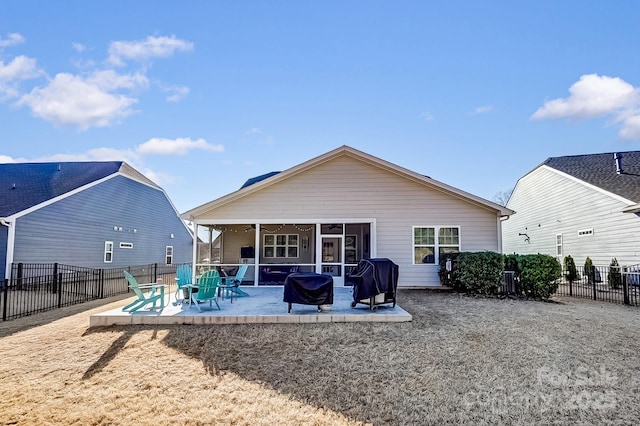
(257, 179)
(24, 185)
(600, 170)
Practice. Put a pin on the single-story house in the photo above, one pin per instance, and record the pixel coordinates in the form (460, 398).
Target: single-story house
(579, 205)
(328, 213)
(92, 214)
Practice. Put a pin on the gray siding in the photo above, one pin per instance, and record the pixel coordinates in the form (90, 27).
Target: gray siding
(548, 203)
(73, 230)
(346, 187)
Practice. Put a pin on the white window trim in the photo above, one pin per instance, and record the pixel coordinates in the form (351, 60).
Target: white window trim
(585, 232)
(126, 245)
(275, 246)
(108, 244)
(560, 246)
(436, 245)
(168, 255)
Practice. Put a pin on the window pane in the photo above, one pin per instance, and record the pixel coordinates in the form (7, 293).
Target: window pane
(280, 251)
(281, 240)
(293, 240)
(445, 250)
(292, 252)
(448, 236)
(424, 236)
(268, 252)
(424, 255)
(268, 240)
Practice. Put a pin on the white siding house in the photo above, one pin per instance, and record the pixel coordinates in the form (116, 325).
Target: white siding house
(579, 206)
(328, 213)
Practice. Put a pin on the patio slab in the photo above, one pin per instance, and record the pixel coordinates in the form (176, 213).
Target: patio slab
(263, 305)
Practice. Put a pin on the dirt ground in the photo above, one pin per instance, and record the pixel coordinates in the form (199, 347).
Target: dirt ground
(462, 360)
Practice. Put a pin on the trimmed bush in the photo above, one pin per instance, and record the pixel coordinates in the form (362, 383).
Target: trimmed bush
(570, 270)
(539, 275)
(615, 276)
(475, 273)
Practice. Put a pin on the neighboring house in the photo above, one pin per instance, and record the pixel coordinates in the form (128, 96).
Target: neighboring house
(93, 214)
(326, 214)
(582, 205)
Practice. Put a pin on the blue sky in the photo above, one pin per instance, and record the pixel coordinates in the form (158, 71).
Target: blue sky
(202, 95)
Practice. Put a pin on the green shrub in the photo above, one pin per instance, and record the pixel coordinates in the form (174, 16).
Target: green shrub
(539, 275)
(449, 278)
(615, 276)
(481, 273)
(475, 273)
(589, 270)
(570, 270)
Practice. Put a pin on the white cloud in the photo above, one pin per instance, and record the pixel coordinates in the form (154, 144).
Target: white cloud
(151, 47)
(110, 80)
(482, 110)
(598, 96)
(592, 96)
(78, 47)
(20, 68)
(6, 159)
(72, 100)
(179, 146)
(11, 40)
(177, 93)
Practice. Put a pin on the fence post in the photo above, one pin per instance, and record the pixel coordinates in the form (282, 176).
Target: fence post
(570, 287)
(101, 282)
(59, 276)
(155, 273)
(19, 277)
(54, 288)
(592, 274)
(5, 290)
(625, 287)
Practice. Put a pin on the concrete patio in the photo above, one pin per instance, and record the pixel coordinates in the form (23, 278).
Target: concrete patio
(263, 305)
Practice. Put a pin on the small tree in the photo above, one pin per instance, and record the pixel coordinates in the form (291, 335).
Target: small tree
(615, 276)
(589, 271)
(570, 270)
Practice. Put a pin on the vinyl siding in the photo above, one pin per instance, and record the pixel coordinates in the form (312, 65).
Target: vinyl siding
(547, 203)
(74, 229)
(346, 188)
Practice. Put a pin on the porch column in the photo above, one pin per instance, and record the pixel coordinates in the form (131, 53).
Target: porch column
(256, 256)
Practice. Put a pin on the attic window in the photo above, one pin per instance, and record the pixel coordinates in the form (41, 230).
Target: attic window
(585, 232)
(126, 245)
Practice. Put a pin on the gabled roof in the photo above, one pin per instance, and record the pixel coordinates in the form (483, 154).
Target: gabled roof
(600, 170)
(261, 182)
(24, 185)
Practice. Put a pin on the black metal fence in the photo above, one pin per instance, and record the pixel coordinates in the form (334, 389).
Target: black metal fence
(609, 284)
(38, 287)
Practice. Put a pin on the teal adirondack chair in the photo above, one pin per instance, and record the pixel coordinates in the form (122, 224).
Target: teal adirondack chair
(207, 289)
(156, 294)
(184, 277)
(232, 285)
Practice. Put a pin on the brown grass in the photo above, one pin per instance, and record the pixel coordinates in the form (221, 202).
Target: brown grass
(462, 360)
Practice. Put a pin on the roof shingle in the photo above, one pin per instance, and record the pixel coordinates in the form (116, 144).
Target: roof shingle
(600, 170)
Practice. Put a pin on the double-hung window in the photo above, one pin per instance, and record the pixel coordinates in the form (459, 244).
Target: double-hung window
(108, 251)
(169, 255)
(432, 242)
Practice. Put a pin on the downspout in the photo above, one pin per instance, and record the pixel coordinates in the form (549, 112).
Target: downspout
(11, 237)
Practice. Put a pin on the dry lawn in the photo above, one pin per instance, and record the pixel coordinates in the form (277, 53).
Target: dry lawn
(462, 360)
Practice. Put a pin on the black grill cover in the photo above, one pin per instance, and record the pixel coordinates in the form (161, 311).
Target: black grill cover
(373, 277)
(309, 289)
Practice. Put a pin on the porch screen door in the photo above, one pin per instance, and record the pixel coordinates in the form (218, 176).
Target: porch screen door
(331, 260)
